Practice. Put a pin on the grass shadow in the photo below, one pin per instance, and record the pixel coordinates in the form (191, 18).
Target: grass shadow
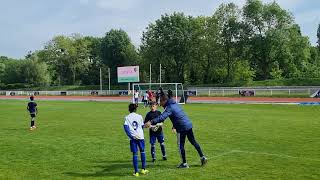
(105, 169)
(114, 168)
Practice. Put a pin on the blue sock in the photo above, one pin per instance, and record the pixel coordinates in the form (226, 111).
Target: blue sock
(143, 160)
(153, 151)
(163, 149)
(135, 162)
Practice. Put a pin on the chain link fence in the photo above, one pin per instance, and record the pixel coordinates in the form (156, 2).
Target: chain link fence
(221, 92)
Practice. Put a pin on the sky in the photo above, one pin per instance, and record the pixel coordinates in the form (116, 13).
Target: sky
(26, 25)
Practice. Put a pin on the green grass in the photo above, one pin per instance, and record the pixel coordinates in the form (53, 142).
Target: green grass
(85, 140)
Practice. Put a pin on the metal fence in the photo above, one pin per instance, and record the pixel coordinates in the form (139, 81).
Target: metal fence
(66, 93)
(255, 91)
(280, 91)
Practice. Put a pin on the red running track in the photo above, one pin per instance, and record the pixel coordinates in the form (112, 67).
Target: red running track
(191, 99)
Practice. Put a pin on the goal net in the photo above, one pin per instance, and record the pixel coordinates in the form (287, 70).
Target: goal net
(178, 93)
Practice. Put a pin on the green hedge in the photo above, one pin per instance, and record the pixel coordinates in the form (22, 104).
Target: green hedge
(280, 82)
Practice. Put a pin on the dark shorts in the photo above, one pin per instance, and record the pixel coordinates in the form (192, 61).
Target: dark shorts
(154, 137)
(33, 115)
(135, 144)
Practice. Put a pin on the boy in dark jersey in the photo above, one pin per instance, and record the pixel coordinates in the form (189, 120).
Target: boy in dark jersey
(32, 108)
(155, 132)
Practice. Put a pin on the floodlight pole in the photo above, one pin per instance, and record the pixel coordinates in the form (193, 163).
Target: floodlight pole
(150, 78)
(109, 79)
(100, 83)
(160, 75)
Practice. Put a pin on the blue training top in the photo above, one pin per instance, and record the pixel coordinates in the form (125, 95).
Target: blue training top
(32, 107)
(179, 119)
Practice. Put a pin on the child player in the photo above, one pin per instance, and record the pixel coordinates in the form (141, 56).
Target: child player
(133, 126)
(32, 108)
(155, 132)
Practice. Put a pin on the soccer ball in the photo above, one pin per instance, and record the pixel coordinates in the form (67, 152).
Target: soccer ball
(155, 128)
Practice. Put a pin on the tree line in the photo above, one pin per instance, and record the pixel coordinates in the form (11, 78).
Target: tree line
(256, 42)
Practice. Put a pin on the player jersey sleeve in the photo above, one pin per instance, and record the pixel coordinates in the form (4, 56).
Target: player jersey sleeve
(147, 118)
(141, 121)
(126, 128)
(126, 122)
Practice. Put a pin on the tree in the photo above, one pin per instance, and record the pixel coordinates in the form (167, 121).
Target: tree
(66, 57)
(229, 24)
(261, 19)
(167, 41)
(34, 72)
(117, 50)
(2, 69)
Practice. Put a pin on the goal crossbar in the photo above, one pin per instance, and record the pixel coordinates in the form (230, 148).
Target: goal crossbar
(176, 89)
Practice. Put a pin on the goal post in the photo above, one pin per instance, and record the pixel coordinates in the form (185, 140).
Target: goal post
(176, 88)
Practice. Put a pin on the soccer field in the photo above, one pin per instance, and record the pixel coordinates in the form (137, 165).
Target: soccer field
(86, 140)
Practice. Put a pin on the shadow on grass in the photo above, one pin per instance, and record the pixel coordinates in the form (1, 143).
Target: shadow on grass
(112, 168)
(106, 168)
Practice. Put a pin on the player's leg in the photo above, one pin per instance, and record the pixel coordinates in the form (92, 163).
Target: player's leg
(193, 141)
(160, 138)
(32, 124)
(134, 150)
(181, 141)
(141, 145)
(34, 121)
(153, 147)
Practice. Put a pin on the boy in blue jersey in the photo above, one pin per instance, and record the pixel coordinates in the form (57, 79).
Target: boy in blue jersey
(181, 123)
(155, 132)
(133, 126)
(33, 110)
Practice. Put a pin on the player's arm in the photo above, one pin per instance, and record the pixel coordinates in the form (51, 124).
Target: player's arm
(159, 124)
(146, 119)
(162, 116)
(127, 130)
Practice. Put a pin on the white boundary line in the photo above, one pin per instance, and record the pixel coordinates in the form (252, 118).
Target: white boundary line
(235, 152)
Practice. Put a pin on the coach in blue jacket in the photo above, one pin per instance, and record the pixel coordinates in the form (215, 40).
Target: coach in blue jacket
(181, 123)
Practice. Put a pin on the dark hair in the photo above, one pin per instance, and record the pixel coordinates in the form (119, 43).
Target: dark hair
(31, 98)
(132, 107)
(153, 103)
(170, 93)
(163, 96)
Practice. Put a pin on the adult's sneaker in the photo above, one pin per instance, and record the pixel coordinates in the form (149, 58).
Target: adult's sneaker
(183, 165)
(203, 160)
